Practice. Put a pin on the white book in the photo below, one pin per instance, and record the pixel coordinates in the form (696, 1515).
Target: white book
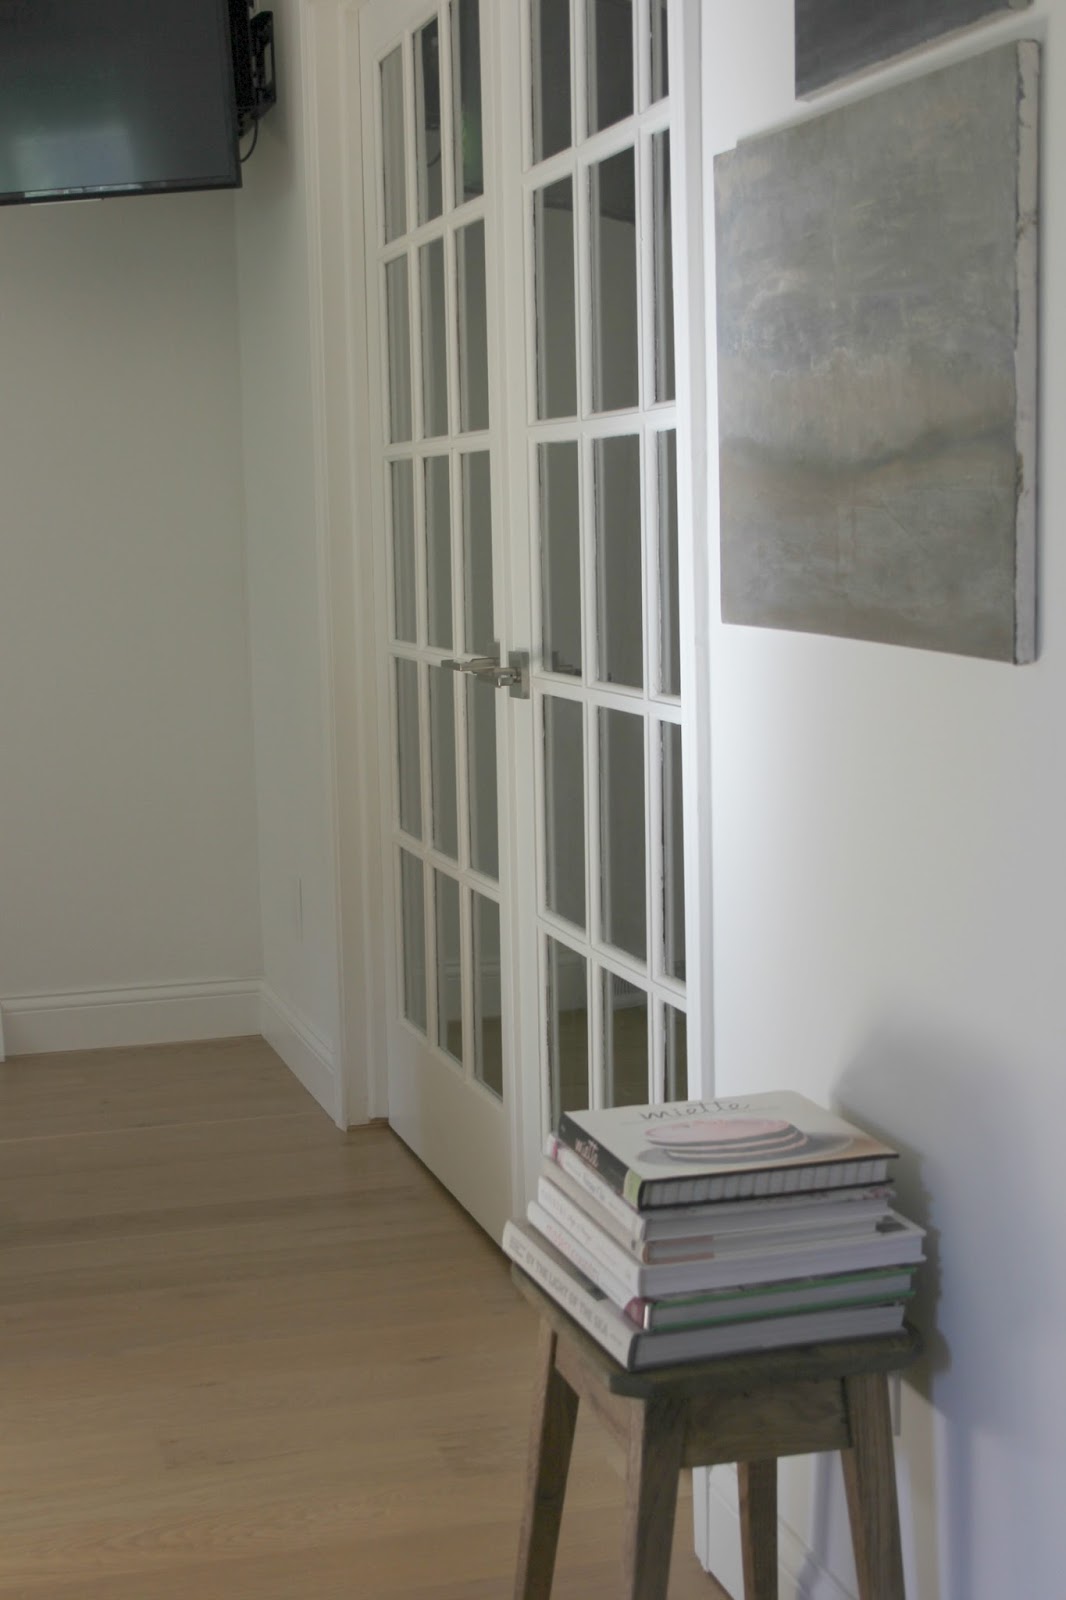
(898, 1243)
(667, 1223)
(869, 1286)
(592, 1310)
(558, 1194)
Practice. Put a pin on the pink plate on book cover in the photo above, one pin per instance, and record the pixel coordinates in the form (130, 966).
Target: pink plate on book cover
(728, 1139)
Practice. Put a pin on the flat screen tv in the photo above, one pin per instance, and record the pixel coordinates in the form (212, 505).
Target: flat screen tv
(114, 97)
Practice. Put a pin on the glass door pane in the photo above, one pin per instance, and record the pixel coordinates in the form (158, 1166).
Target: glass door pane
(659, 59)
(619, 557)
(413, 938)
(567, 1038)
(466, 98)
(613, 242)
(623, 832)
(438, 551)
(404, 579)
(398, 317)
(473, 329)
(482, 778)
(442, 763)
(479, 628)
(393, 137)
(669, 581)
(550, 53)
(434, 340)
(609, 54)
(449, 966)
(673, 854)
(675, 1052)
(626, 1064)
(554, 247)
(559, 534)
(564, 800)
(409, 747)
(428, 121)
(488, 1001)
(662, 267)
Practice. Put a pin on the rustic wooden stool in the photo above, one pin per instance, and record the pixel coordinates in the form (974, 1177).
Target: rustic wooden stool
(750, 1409)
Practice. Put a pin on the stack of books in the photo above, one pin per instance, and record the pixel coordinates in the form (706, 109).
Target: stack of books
(702, 1228)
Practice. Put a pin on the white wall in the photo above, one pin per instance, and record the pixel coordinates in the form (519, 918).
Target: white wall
(303, 561)
(127, 840)
(890, 894)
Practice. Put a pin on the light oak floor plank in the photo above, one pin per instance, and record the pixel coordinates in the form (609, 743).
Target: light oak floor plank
(243, 1354)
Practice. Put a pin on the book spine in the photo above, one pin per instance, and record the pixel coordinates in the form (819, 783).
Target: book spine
(755, 1185)
(743, 1241)
(652, 1234)
(587, 1261)
(871, 1284)
(626, 1279)
(617, 1257)
(611, 1169)
(775, 1211)
(655, 1318)
(594, 1186)
(605, 1326)
(627, 1255)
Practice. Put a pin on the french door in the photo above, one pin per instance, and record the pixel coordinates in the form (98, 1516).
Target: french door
(533, 519)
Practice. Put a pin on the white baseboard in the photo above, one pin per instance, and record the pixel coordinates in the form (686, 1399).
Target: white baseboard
(800, 1575)
(102, 1019)
(172, 1013)
(306, 1054)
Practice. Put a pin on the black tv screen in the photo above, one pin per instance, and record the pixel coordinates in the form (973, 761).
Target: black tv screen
(105, 97)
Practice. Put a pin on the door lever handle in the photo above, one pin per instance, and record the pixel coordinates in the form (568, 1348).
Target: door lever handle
(486, 669)
(477, 666)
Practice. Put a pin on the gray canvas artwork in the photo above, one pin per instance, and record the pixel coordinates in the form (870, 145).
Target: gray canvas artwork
(877, 305)
(835, 38)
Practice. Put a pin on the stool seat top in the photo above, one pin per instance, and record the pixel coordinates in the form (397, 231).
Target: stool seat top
(755, 1369)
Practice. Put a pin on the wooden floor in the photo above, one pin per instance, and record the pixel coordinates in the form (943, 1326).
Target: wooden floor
(242, 1354)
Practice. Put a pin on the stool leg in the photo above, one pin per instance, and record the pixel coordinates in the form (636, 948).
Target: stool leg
(551, 1439)
(870, 1481)
(656, 1442)
(757, 1481)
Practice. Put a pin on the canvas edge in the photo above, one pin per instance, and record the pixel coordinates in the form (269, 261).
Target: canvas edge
(1026, 352)
(723, 161)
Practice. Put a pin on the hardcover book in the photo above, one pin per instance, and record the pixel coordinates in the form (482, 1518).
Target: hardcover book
(697, 1151)
(896, 1243)
(673, 1232)
(621, 1338)
(656, 1235)
(575, 1212)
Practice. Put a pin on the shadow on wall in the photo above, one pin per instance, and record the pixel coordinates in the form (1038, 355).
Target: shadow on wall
(949, 1109)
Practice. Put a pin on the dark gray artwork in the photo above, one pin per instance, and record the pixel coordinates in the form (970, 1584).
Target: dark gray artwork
(877, 365)
(838, 37)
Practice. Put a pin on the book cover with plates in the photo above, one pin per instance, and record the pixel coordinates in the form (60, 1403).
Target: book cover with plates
(697, 1151)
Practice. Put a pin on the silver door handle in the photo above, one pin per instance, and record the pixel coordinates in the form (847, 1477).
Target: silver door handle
(486, 669)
